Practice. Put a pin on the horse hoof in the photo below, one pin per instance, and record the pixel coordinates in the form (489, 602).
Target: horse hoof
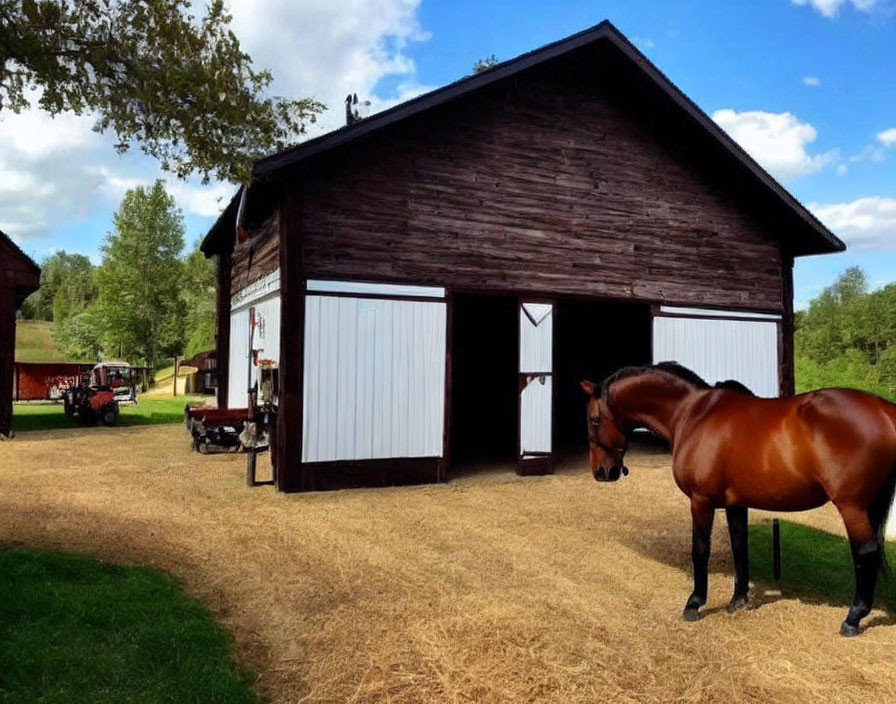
(690, 614)
(849, 631)
(737, 604)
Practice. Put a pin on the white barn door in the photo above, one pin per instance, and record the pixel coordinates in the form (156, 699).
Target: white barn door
(264, 297)
(721, 345)
(536, 367)
(374, 379)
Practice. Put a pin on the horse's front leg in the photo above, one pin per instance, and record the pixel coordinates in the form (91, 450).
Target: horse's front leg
(737, 531)
(702, 514)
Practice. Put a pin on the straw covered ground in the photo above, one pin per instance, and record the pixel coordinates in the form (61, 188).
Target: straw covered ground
(491, 588)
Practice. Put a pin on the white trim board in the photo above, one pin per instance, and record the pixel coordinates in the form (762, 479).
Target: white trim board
(716, 313)
(264, 287)
(321, 286)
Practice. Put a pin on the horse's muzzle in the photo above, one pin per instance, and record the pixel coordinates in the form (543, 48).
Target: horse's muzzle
(613, 474)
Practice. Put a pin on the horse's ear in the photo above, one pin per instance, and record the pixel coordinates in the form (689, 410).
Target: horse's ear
(589, 387)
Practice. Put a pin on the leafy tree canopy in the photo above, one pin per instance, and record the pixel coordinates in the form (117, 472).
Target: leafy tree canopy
(66, 287)
(140, 279)
(198, 298)
(179, 85)
(847, 337)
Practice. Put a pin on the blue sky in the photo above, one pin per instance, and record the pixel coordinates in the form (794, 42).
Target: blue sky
(806, 86)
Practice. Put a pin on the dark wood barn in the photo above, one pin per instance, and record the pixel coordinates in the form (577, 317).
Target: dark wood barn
(19, 277)
(433, 281)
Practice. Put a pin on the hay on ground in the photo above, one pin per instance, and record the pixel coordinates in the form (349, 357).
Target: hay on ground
(491, 588)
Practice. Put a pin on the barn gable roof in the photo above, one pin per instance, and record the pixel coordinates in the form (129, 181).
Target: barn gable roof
(806, 234)
(18, 253)
(17, 270)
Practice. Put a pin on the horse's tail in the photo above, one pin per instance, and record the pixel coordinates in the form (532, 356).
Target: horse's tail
(883, 502)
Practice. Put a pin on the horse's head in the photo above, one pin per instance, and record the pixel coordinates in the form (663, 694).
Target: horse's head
(606, 438)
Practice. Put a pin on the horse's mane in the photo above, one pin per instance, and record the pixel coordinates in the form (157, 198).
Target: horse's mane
(672, 368)
(733, 385)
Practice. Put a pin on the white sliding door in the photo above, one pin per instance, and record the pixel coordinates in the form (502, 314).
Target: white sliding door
(743, 347)
(374, 373)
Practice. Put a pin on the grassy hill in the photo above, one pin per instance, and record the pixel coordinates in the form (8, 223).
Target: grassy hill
(34, 343)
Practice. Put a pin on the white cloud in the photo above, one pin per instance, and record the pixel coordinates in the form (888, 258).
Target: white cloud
(56, 172)
(813, 81)
(867, 223)
(887, 137)
(869, 153)
(327, 49)
(778, 141)
(829, 8)
(643, 42)
(842, 169)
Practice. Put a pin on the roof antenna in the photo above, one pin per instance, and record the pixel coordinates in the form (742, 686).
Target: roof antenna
(355, 110)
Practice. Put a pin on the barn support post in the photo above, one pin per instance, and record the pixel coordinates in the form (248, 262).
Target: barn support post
(7, 356)
(223, 312)
(785, 330)
(292, 328)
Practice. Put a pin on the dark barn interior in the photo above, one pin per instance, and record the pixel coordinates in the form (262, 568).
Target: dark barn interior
(484, 382)
(592, 339)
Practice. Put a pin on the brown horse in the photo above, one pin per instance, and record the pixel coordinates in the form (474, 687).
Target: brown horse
(732, 450)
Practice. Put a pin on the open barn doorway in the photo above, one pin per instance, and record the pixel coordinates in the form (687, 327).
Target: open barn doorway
(592, 339)
(484, 384)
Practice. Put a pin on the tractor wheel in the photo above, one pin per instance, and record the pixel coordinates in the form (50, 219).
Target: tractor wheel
(109, 414)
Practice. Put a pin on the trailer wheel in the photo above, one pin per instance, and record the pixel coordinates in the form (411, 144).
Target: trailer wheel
(109, 414)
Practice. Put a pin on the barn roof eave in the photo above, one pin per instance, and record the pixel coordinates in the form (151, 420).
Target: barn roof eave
(17, 251)
(813, 238)
(219, 238)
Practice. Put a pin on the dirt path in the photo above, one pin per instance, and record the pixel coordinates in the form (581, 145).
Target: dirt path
(487, 589)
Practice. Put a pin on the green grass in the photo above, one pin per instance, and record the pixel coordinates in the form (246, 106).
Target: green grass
(815, 566)
(75, 629)
(150, 410)
(34, 343)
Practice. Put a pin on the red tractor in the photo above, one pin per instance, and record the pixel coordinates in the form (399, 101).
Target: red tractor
(98, 392)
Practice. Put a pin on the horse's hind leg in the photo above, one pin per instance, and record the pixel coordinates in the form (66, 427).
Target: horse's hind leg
(866, 554)
(702, 514)
(737, 531)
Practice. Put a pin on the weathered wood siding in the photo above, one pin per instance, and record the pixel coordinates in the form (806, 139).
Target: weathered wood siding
(18, 278)
(258, 256)
(553, 183)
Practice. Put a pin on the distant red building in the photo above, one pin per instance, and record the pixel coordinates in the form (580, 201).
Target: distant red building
(35, 381)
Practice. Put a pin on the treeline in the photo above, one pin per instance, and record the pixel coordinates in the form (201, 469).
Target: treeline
(847, 337)
(146, 301)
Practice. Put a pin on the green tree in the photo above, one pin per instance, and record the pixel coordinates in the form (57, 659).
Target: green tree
(140, 279)
(198, 298)
(152, 72)
(81, 335)
(847, 337)
(66, 287)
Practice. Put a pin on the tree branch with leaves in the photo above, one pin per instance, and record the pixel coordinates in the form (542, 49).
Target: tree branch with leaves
(154, 74)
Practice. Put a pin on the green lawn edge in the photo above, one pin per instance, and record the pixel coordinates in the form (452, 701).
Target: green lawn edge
(77, 629)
